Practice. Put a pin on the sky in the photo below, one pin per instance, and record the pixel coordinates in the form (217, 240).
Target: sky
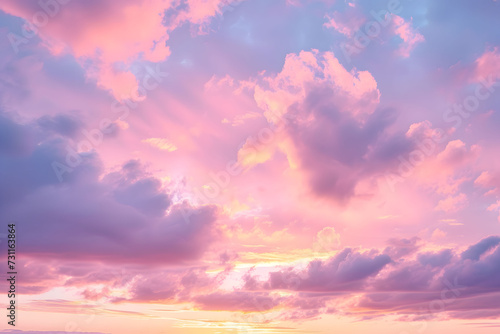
(251, 166)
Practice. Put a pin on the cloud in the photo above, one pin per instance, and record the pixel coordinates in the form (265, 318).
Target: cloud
(439, 259)
(411, 38)
(115, 231)
(107, 37)
(346, 23)
(14, 137)
(474, 252)
(146, 194)
(487, 65)
(489, 180)
(452, 203)
(414, 277)
(62, 124)
(372, 284)
(443, 169)
(327, 123)
(495, 207)
(237, 301)
(336, 152)
(117, 213)
(327, 240)
(356, 90)
(27, 160)
(463, 285)
(456, 154)
(399, 248)
(161, 143)
(346, 271)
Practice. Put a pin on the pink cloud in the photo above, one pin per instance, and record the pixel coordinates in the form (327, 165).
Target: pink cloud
(490, 181)
(409, 35)
(108, 38)
(104, 39)
(495, 207)
(287, 99)
(350, 283)
(371, 284)
(347, 22)
(356, 89)
(488, 64)
(238, 301)
(456, 154)
(452, 203)
(444, 169)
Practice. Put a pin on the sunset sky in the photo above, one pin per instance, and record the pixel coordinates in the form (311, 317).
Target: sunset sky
(251, 166)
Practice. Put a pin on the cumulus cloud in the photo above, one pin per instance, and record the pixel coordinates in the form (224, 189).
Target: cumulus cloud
(356, 91)
(371, 283)
(489, 180)
(333, 131)
(118, 213)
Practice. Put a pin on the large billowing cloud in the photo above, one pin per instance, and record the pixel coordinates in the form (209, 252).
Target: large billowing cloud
(334, 130)
(118, 214)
